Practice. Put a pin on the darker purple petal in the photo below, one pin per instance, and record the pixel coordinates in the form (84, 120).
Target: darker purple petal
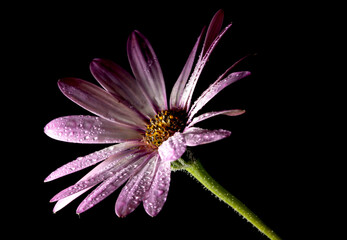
(121, 84)
(213, 30)
(205, 54)
(100, 102)
(147, 71)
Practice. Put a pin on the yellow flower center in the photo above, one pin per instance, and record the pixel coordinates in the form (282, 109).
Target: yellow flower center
(164, 125)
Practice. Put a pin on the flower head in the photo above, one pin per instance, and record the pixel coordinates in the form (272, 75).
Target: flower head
(133, 113)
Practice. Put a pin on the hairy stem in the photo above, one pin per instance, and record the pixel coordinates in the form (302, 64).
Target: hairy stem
(195, 168)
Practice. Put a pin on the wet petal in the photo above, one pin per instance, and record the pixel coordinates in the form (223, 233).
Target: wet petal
(213, 30)
(109, 186)
(65, 201)
(173, 148)
(103, 171)
(205, 54)
(159, 190)
(120, 83)
(202, 117)
(146, 69)
(178, 88)
(100, 102)
(198, 136)
(213, 90)
(89, 129)
(135, 190)
(89, 160)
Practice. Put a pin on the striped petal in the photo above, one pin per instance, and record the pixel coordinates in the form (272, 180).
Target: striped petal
(198, 136)
(177, 90)
(102, 172)
(109, 186)
(147, 71)
(121, 84)
(135, 190)
(202, 117)
(159, 190)
(213, 90)
(213, 30)
(89, 160)
(65, 201)
(100, 102)
(173, 148)
(208, 47)
(89, 129)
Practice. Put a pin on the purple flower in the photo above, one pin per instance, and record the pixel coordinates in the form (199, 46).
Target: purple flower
(133, 112)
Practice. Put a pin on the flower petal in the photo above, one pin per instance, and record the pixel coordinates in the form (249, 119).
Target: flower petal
(213, 90)
(109, 186)
(65, 201)
(205, 54)
(89, 160)
(147, 71)
(104, 170)
(213, 30)
(120, 83)
(178, 88)
(89, 129)
(100, 102)
(135, 190)
(173, 148)
(197, 136)
(202, 117)
(157, 194)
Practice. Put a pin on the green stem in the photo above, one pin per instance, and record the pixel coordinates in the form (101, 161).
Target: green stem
(195, 168)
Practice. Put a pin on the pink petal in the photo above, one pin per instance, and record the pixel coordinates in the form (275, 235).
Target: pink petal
(89, 160)
(157, 194)
(213, 30)
(121, 84)
(213, 90)
(197, 136)
(202, 117)
(106, 169)
(109, 185)
(189, 89)
(65, 201)
(173, 148)
(135, 190)
(146, 69)
(100, 102)
(89, 129)
(178, 88)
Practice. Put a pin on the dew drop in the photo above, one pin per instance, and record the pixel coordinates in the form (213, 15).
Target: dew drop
(160, 192)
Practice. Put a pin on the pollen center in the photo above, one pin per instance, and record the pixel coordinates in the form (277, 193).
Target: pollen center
(164, 125)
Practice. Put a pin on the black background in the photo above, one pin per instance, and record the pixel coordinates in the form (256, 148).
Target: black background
(265, 161)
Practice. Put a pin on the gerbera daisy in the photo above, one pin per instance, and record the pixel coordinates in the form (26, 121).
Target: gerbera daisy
(132, 112)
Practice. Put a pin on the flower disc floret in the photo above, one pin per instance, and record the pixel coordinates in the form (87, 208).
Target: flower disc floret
(165, 124)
